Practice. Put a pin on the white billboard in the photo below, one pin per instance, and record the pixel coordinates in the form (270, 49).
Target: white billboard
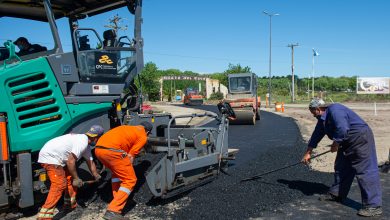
(372, 85)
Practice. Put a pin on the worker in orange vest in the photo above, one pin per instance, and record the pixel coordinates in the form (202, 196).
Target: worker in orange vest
(116, 149)
(58, 157)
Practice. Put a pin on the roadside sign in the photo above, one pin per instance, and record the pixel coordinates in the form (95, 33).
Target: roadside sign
(372, 85)
(200, 78)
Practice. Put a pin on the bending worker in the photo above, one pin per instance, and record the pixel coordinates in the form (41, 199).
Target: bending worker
(59, 156)
(356, 155)
(116, 149)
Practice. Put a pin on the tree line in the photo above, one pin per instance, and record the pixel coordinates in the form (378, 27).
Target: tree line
(281, 85)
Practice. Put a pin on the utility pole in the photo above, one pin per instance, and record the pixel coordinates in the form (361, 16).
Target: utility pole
(292, 71)
(170, 94)
(174, 90)
(308, 88)
(115, 24)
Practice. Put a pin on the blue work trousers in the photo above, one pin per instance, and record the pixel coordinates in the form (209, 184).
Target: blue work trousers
(357, 157)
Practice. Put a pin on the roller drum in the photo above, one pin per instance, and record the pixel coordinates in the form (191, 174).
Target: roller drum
(244, 117)
(195, 102)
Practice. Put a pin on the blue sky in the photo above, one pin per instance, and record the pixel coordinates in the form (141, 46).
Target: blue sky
(351, 36)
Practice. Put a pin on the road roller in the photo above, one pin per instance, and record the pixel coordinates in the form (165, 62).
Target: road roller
(192, 97)
(243, 98)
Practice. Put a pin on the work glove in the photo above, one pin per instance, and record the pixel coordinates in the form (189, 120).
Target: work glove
(97, 177)
(77, 183)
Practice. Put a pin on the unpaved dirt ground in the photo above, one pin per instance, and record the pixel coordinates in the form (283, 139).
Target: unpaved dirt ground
(379, 123)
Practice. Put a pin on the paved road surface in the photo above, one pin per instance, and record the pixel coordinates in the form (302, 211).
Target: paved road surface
(292, 193)
(289, 194)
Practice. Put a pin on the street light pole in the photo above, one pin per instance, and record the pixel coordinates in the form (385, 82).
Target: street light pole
(312, 70)
(312, 79)
(270, 53)
(292, 71)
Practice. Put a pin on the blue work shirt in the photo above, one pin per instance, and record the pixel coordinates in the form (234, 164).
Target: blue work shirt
(339, 123)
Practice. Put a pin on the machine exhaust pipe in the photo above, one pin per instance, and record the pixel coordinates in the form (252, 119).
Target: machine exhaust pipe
(4, 156)
(4, 153)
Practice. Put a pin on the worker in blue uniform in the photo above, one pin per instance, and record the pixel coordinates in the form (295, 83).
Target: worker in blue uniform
(356, 155)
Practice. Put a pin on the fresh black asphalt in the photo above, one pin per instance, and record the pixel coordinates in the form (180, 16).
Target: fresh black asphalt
(292, 193)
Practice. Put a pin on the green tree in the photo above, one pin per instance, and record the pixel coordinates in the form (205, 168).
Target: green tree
(222, 77)
(150, 81)
(237, 69)
(323, 83)
(232, 69)
(216, 96)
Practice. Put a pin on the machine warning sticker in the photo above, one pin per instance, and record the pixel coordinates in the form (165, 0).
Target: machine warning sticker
(100, 89)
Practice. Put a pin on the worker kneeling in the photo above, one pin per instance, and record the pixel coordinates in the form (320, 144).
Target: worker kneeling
(59, 156)
(116, 150)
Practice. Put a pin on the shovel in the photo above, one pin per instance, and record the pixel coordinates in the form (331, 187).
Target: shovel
(282, 168)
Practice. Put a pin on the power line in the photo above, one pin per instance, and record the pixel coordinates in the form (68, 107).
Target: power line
(204, 58)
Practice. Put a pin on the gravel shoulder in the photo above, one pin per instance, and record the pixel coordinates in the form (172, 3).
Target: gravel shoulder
(379, 123)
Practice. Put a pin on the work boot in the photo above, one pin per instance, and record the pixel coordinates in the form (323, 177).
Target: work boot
(370, 211)
(69, 202)
(330, 197)
(68, 207)
(46, 214)
(110, 215)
